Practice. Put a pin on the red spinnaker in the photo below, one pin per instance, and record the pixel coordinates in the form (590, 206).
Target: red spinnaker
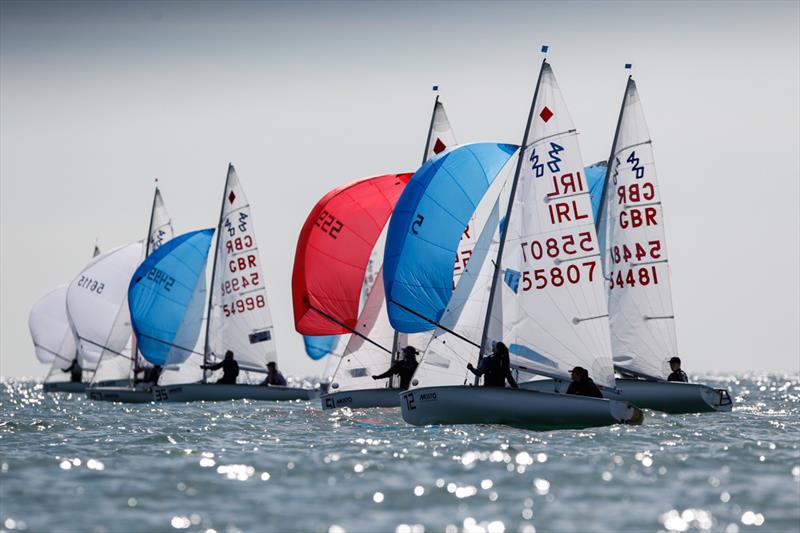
(333, 250)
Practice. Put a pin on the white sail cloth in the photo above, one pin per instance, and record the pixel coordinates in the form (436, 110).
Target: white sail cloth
(161, 229)
(636, 262)
(97, 304)
(239, 318)
(555, 313)
(52, 337)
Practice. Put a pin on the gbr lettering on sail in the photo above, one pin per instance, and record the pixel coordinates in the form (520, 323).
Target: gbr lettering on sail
(240, 284)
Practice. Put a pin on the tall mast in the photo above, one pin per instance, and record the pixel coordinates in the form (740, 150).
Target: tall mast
(214, 271)
(134, 343)
(517, 171)
(395, 342)
(611, 156)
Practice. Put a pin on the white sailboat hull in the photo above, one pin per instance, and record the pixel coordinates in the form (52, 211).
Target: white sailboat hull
(520, 408)
(668, 396)
(361, 398)
(196, 392)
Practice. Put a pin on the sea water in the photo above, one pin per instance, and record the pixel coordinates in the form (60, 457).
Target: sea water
(70, 464)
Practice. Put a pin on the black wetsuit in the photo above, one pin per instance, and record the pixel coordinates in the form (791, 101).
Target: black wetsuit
(230, 371)
(585, 388)
(404, 368)
(495, 373)
(75, 371)
(678, 375)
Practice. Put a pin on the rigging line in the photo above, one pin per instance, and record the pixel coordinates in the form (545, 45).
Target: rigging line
(105, 348)
(51, 352)
(140, 334)
(437, 324)
(348, 328)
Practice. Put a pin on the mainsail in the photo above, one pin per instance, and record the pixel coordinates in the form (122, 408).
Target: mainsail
(554, 308)
(635, 254)
(166, 297)
(52, 337)
(97, 304)
(239, 318)
(160, 230)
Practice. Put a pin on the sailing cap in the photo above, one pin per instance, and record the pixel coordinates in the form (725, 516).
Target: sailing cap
(410, 350)
(579, 370)
(675, 360)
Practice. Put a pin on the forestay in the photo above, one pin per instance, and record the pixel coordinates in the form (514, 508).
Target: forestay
(239, 318)
(97, 304)
(640, 300)
(166, 297)
(334, 250)
(426, 229)
(52, 337)
(554, 302)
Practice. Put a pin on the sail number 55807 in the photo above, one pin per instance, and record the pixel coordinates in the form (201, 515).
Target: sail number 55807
(557, 276)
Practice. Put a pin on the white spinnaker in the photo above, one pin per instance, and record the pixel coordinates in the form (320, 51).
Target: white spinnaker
(239, 317)
(97, 304)
(640, 299)
(49, 326)
(362, 359)
(161, 229)
(555, 313)
(446, 356)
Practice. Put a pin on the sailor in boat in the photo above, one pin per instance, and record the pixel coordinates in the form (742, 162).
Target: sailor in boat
(75, 371)
(677, 374)
(404, 368)
(230, 369)
(582, 384)
(274, 376)
(496, 368)
(150, 374)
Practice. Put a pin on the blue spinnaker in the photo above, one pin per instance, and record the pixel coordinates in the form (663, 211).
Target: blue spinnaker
(595, 178)
(319, 347)
(166, 296)
(426, 227)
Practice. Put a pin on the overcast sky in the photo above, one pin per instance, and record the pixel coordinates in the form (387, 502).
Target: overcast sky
(98, 99)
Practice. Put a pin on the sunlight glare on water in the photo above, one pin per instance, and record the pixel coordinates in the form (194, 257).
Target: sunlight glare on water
(250, 466)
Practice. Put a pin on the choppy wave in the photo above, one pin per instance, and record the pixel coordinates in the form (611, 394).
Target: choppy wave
(70, 464)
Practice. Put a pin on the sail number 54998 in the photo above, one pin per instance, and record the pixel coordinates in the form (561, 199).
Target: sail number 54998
(244, 304)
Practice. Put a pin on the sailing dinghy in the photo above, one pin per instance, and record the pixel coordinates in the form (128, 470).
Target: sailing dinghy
(166, 296)
(545, 297)
(96, 306)
(631, 225)
(335, 251)
(239, 318)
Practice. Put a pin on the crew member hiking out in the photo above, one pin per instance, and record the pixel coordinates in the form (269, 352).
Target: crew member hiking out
(404, 368)
(496, 368)
(677, 374)
(274, 376)
(230, 369)
(582, 384)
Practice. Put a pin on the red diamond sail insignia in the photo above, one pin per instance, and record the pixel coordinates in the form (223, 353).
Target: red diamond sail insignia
(546, 114)
(439, 146)
(231, 197)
